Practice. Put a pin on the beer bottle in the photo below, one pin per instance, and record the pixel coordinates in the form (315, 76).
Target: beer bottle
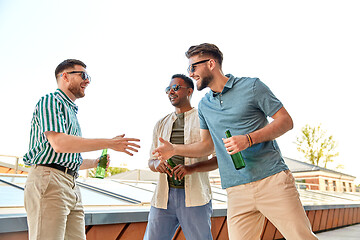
(172, 164)
(101, 167)
(237, 158)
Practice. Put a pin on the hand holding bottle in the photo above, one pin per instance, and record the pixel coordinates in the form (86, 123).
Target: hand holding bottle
(235, 144)
(176, 182)
(236, 157)
(102, 164)
(162, 166)
(107, 164)
(180, 171)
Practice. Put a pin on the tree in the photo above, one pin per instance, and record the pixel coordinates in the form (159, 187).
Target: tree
(110, 171)
(317, 146)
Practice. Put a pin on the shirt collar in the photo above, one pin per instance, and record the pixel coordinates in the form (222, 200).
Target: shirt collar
(173, 114)
(66, 99)
(229, 84)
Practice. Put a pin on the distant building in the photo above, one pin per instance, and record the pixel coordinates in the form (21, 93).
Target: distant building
(312, 177)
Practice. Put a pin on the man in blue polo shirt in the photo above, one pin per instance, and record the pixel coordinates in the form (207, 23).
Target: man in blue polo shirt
(52, 197)
(265, 187)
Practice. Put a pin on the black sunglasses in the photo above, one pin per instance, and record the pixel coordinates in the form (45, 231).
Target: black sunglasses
(191, 68)
(174, 87)
(84, 75)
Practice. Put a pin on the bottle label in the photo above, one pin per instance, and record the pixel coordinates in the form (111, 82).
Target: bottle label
(101, 167)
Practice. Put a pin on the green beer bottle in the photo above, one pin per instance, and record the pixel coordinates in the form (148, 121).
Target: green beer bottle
(237, 158)
(101, 167)
(172, 164)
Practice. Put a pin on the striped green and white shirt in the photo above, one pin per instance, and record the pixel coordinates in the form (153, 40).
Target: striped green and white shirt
(54, 112)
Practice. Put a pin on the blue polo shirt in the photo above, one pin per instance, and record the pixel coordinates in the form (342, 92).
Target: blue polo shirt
(242, 107)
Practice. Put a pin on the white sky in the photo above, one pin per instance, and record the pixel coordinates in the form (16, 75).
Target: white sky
(307, 52)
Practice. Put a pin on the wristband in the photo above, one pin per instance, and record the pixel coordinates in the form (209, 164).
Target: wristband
(249, 140)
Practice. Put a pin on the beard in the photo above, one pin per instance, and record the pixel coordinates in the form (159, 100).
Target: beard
(76, 90)
(176, 102)
(205, 82)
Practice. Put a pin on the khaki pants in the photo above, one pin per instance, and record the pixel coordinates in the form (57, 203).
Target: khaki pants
(53, 205)
(275, 198)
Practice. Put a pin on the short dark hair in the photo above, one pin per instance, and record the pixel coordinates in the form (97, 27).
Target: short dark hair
(68, 63)
(205, 49)
(188, 80)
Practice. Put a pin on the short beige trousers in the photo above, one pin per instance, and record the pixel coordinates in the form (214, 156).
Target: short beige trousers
(53, 205)
(275, 198)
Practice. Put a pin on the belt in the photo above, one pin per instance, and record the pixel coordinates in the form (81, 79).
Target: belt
(61, 168)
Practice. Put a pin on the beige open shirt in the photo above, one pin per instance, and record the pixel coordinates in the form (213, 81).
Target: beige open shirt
(197, 185)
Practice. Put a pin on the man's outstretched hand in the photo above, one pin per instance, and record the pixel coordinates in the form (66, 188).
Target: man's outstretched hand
(165, 151)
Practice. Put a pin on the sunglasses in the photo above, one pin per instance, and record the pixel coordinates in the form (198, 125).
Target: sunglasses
(191, 68)
(174, 87)
(84, 75)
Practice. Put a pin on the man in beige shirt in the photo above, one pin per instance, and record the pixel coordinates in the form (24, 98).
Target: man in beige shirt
(183, 193)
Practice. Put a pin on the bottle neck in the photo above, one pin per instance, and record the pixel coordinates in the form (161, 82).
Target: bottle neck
(104, 152)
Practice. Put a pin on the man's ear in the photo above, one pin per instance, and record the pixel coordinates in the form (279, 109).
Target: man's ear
(212, 63)
(190, 91)
(64, 77)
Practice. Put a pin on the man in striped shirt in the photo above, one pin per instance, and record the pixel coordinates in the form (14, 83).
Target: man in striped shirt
(52, 197)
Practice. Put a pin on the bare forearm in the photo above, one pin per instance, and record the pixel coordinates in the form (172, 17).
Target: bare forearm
(75, 144)
(88, 163)
(64, 143)
(198, 149)
(269, 133)
(180, 170)
(205, 166)
(281, 124)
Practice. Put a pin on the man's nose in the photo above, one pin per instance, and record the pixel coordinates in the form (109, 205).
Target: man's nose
(171, 91)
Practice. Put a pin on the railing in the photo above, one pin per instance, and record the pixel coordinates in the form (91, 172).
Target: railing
(15, 158)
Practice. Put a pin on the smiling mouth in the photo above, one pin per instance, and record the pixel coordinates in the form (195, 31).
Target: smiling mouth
(172, 97)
